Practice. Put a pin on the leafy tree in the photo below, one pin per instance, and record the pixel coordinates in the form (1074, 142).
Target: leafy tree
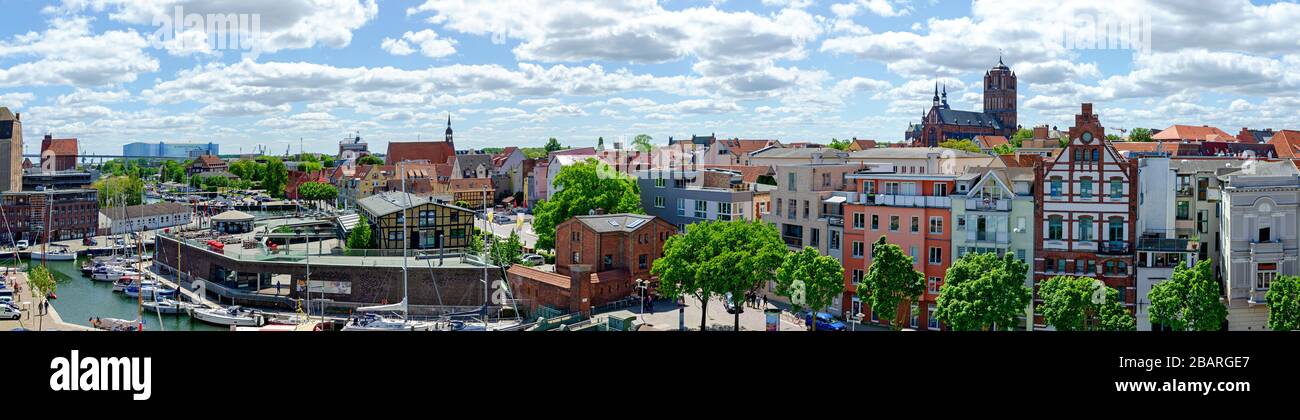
(810, 280)
(317, 191)
(889, 281)
(1189, 301)
(1004, 149)
(462, 203)
(476, 242)
(1112, 137)
(1068, 305)
(643, 143)
(508, 251)
(369, 160)
(120, 189)
(713, 258)
(1020, 136)
(1139, 134)
(310, 166)
(982, 291)
(327, 161)
(1284, 303)
(41, 280)
(553, 145)
(579, 189)
(359, 237)
(275, 176)
(838, 144)
(966, 145)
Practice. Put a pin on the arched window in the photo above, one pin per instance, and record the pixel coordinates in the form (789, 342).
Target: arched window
(1055, 228)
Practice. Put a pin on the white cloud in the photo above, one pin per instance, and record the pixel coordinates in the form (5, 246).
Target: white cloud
(68, 53)
(430, 45)
(16, 100)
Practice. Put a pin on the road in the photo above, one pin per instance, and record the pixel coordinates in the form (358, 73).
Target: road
(503, 230)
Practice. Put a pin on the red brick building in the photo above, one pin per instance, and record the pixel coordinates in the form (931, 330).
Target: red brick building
(437, 152)
(1087, 212)
(998, 118)
(598, 260)
(58, 154)
(297, 178)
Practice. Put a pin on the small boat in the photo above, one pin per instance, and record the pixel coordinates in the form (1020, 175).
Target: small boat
(377, 322)
(306, 326)
(169, 306)
(114, 324)
(54, 253)
(149, 291)
(229, 316)
(126, 281)
(110, 272)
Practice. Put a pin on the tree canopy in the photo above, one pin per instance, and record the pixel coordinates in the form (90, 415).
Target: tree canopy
(643, 143)
(1283, 299)
(370, 160)
(275, 176)
(359, 237)
(838, 144)
(1139, 134)
(579, 189)
(552, 145)
(1189, 301)
(317, 191)
(810, 280)
(889, 281)
(982, 291)
(717, 257)
(1068, 305)
(119, 190)
(966, 145)
(1020, 136)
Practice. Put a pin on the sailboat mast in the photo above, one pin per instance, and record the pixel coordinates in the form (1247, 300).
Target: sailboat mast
(406, 306)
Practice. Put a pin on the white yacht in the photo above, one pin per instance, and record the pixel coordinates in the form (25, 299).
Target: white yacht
(229, 316)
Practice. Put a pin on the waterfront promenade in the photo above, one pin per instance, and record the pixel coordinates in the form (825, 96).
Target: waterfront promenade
(32, 319)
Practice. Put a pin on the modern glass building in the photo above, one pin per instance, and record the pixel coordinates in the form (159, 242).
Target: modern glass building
(163, 149)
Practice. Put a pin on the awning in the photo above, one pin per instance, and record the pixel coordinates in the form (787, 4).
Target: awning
(836, 199)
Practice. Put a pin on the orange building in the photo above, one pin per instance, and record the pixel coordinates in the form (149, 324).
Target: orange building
(912, 211)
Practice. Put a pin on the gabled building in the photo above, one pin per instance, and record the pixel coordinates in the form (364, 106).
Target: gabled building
(429, 224)
(1248, 135)
(419, 152)
(1259, 230)
(856, 144)
(472, 166)
(1192, 133)
(1160, 246)
(207, 163)
(993, 212)
(58, 155)
(476, 193)
(1087, 212)
(941, 122)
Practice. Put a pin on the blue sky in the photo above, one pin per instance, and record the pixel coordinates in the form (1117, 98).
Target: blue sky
(515, 72)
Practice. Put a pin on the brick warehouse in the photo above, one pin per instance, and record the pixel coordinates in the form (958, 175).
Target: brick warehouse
(610, 251)
(1087, 212)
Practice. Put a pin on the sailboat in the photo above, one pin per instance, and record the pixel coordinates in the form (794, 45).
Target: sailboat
(369, 317)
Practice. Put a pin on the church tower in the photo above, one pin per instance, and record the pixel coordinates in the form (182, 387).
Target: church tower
(453, 144)
(1000, 95)
(11, 151)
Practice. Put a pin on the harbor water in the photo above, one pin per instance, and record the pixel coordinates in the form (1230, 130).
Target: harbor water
(80, 298)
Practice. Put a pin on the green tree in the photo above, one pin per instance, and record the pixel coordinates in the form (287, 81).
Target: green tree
(956, 144)
(275, 176)
(41, 280)
(310, 166)
(1068, 305)
(889, 281)
(1284, 303)
(359, 237)
(1139, 134)
(810, 280)
(317, 191)
(508, 251)
(1189, 301)
(552, 145)
(579, 189)
(1004, 149)
(838, 144)
(119, 190)
(643, 143)
(1020, 136)
(714, 258)
(462, 204)
(327, 161)
(982, 292)
(369, 160)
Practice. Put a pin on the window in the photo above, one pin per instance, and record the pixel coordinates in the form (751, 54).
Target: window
(396, 235)
(1116, 229)
(816, 238)
(790, 181)
(1184, 211)
(858, 220)
(793, 210)
(1056, 186)
(913, 253)
(1202, 184)
(681, 207)
(936, 225)
(659, 182)
(724, 211)
(940, 190)
(608, 261)
(1085, 187)
(1265, 234)
(857, 249)
(893, 223)
(916, 224)
(936, 256)
(932, 285)
(805, 209)
(642, 261)
(1116, 188)
(701, 209)
(931, 321)
(1264, 275)
(1055, 228)
(577, 257)
(915, 314)
(891, 188)
(1060, 266)
(1085, 228)
(875, 222)
(659, 202)
(835, 240)
(826, 179)
(857, 276)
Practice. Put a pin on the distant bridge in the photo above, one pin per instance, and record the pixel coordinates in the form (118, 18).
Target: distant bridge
(83, 157)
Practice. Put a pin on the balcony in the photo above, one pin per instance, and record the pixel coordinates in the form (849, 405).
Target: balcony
(1264, 249)
(989, 204)
(1166, 245)
(1113, 248)
(793, 241)
(837, 221)
(913, 201)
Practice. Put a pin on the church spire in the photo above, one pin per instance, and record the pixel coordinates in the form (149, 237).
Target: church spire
(936, 93)
(449, 129)
(945, 95)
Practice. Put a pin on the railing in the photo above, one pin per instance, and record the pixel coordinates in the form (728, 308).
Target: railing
(835, 221)
(913, 201)
(1164, 244)
(996, 204)
(1113, 248)
(793, 241)
(1271, 247)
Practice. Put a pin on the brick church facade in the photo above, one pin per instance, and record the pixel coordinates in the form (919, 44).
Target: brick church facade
(998, 118)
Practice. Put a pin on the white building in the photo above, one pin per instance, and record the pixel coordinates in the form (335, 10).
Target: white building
(1259, 233)
(1159, 250)
(145, 217)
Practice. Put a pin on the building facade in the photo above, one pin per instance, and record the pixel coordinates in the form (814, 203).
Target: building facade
(11, 151)
(172, 150)
(1087, 212)
(428, 223)
(58, 154)
(144, 217)
(998, 118)
(68, 214)
(993, 212)
(1160, 246)
(684, 197)
(1259, 230)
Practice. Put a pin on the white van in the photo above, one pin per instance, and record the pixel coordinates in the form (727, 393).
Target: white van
(9, 312)
(22, 244)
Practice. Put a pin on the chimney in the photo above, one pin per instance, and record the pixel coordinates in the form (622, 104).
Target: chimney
(580, 289)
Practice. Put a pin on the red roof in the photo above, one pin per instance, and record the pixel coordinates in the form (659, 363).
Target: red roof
(1193, 133)
(209, 161)
(1286, 143)
(742, 146)
(989, 142)
(430, 151)
(61, 147)
(471, 184)
(865, 144)
(547, 277)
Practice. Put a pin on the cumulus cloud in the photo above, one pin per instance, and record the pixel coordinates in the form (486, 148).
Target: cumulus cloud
(69, 53)
(427, 41)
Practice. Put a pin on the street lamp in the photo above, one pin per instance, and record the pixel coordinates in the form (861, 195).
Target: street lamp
(642, 286)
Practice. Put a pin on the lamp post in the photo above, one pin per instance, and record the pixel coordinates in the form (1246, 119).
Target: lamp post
(642, 286)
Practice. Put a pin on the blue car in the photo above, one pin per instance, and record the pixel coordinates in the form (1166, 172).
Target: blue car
(825, 322)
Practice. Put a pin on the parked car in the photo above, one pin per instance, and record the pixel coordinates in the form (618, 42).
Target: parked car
(9, 312)
(730, 304)
(533, 259)
(89, 242)
(825, 322)
(22, 244)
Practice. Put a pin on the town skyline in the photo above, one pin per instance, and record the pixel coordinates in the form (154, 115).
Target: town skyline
(790, 70)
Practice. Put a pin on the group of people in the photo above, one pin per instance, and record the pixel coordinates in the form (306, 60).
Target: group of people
(756, 300)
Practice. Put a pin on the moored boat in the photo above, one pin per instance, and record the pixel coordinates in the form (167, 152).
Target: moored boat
(169, 306)
(54, 252)
(229, 316)
(115, 324)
